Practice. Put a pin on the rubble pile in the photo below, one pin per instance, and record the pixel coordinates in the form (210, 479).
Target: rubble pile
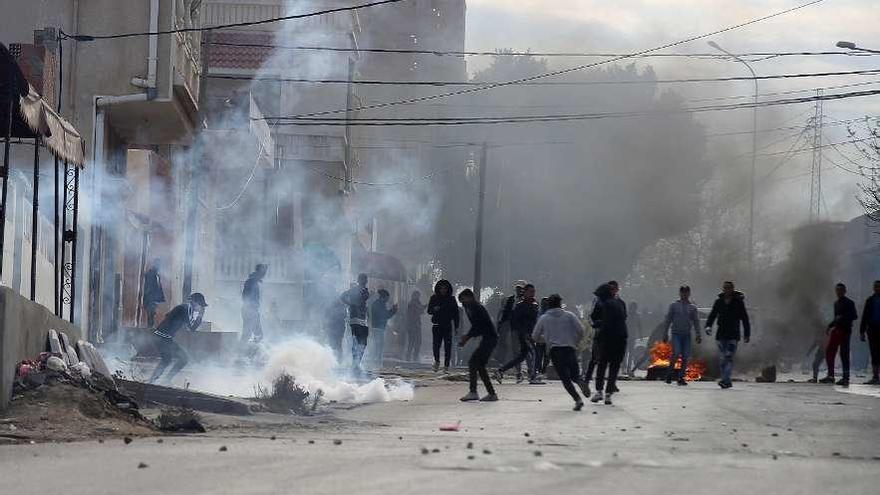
(57, 397)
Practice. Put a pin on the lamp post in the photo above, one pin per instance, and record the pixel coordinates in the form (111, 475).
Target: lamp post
(751, 250)
(849, 45)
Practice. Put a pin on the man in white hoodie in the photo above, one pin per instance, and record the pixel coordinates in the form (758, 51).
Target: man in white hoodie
(562, 331)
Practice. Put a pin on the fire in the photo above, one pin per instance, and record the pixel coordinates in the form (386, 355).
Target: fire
(660, 354)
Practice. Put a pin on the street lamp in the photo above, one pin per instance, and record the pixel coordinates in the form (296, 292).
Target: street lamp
(754, 154)
(849, 45)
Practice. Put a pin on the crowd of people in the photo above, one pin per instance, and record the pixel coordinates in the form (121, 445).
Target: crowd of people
(588, 354)
(531, 333)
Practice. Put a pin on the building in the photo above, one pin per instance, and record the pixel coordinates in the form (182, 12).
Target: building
(135, 99)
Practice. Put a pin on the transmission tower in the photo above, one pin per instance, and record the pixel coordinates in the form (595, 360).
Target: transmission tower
(816, 170)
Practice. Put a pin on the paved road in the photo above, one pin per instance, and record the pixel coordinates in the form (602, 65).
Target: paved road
(791, 438)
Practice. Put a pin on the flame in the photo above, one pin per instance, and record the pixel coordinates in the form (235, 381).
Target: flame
(662, 351)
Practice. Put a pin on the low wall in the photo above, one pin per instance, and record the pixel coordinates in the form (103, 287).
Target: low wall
(24, 326)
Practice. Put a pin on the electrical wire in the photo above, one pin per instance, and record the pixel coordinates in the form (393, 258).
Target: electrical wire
(542, 83)
(443, 53)
(450, 121)
(658, 48)
(246, 183)
(93, 37)
(383, 184)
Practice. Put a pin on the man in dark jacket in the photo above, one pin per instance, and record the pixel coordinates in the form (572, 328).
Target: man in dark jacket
(252, 325)
(522, 321)
(334, 327)
(482, 328)
(870, 330)
(380, 313)
(445, 319)
(609, 319)
(356, 299)
(414, 311)
(506, 341)
(840, 334)
(730, 312)
(153, 293)
(187, 315)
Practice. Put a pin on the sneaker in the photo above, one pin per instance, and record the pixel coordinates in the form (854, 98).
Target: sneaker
(519, 378)
(873, 381)
(436, 366)
(446, 370)
(585, 388)
(536, 381)
(490, 398)
(813, 380)
(682, 383)
(608, 399)
(614, 389)
(843, 382)
(724, 385)
(578, 405)
(471, 396)
(498, 376)
(597, 397)
(827, 379)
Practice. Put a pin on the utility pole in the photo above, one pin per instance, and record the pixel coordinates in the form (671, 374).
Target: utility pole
(195, 168)
(752, 174)
(816, 169)
(481, 200)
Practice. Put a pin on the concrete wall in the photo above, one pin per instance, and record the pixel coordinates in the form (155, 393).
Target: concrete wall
(23, 328)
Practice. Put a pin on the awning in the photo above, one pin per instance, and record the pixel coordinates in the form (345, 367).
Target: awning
(33, 116)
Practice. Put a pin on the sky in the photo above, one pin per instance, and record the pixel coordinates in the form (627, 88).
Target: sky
(632, 25)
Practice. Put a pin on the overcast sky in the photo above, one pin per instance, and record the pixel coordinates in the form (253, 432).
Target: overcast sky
(631, 25)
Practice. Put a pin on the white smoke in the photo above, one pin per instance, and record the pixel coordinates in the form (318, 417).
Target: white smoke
(312, 365)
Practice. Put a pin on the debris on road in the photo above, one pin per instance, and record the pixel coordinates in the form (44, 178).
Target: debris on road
(223, 448)
(450, 426)
(54, 401)
(180, 419)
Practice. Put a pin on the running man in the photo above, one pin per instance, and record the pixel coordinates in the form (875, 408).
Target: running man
(482, 328)
(562, 331)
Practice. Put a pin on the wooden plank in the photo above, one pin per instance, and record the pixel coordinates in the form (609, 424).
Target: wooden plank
(55, 346)
(178, 397)
(93, 358)
(72, 356)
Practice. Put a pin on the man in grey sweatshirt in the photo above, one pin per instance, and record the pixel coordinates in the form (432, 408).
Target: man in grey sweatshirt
(680, 319)
(562, 331)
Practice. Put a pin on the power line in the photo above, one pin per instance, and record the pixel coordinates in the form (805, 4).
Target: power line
(437, 121)
(373, 82)
(445, 53)
(382, 184)
(409, 101)
(93, 37)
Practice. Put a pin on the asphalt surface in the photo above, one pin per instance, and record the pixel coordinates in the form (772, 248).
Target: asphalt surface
(780, 438)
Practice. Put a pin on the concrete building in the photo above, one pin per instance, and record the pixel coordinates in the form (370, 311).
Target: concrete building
(135, 99)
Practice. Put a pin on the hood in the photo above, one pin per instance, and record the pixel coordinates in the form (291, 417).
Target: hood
(555, 312)
(442, 283)
(736, 295)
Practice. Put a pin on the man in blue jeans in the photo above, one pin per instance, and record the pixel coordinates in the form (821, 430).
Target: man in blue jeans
(730, 312)
(680, 319)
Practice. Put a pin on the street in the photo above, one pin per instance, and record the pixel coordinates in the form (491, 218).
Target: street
(796, 438)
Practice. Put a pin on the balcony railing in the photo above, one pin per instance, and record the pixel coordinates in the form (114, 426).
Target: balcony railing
(236, 266)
